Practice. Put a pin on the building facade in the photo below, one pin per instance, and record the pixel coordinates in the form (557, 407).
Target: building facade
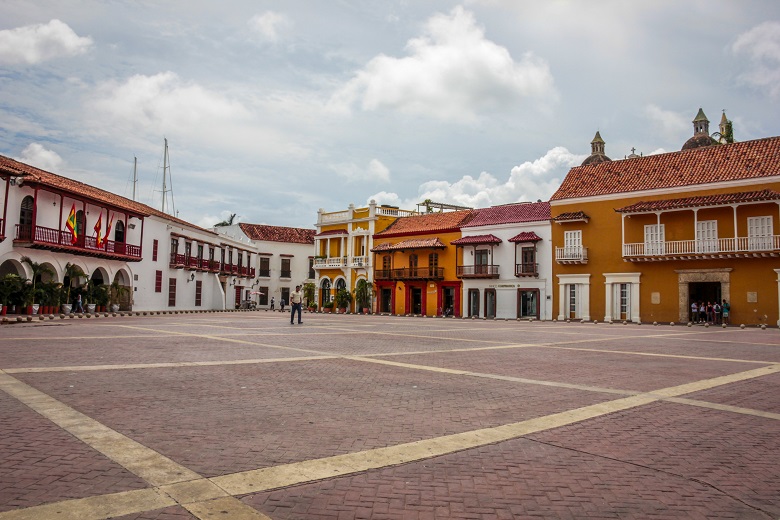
(343, 244)
(643, 238)
(504, 260)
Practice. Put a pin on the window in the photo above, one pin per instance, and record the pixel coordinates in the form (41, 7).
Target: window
(433, 261)
(119, 231)
(386, 264)
(621, 301)
(158, 281)
(230, 257)
(262, 298)
(155, 245)
(413, 265)
(572, 245)
(573, 307)
(240, 259)
(81, 225)
(198, 292)
(286, 295)
(325, 293)
(172, 292)
(760, 234)
(707, 236)
(26, 218)
(286, 268)
(311, 269)
(528, 261)
(187, 250)
(211, 254)
(200, 251)
(654, 239)
(481, 261)
(265, 266)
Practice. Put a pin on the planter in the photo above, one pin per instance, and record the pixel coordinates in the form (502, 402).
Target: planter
(66, 307)
(91, 308)
(327, 310)
(114, 307)
(33, 309)
(2, 309)
(366, 310)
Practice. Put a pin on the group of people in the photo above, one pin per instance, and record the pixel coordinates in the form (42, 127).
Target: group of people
(710, 312)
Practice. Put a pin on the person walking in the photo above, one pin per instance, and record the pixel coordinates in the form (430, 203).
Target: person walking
(272, 303)
(296, 302)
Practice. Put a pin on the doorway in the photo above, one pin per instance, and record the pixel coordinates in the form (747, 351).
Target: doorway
(528, 303)
(490, 303)
(448, 301)
(473, 302)
(386, 300)
(704, 292)
(416, 297)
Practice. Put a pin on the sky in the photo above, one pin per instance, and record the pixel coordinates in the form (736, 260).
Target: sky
(273, 110)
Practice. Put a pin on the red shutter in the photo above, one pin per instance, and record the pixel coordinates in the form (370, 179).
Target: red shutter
(172, 292)
(154, 250)
(158, 281)
(198, 289)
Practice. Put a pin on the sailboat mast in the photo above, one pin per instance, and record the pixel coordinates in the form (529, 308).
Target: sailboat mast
(135, 174)
(165, 173)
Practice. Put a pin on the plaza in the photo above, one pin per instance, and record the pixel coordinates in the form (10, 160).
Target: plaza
(242, 415)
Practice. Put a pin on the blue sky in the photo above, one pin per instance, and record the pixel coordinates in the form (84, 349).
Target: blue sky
(275, 109)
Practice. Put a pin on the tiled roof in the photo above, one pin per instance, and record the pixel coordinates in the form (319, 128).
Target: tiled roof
(571, 215)
(414, 243)
(428, 223)
(278, 233)
(79, 190)
(526, 236)
(702, 201)
(728, 162)
(511, 213)
(476, 240)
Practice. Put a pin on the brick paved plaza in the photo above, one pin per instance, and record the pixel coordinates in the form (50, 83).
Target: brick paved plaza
(241, 415)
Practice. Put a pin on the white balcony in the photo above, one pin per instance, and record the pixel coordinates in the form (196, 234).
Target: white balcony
(710, 248)
(571, 255)
(335, 261)
(358, 261)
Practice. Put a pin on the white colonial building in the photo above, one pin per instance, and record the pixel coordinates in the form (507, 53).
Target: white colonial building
(83, 240)
(504, 261)
(284, 258)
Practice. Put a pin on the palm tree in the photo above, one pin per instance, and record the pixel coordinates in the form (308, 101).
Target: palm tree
(72, 271)
(228, 222)
(38, 270)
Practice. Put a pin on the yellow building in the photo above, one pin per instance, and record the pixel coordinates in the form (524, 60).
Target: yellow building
(416, 265)
(342, 247)
(643, 238)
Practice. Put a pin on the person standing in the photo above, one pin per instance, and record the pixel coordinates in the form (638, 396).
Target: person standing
(272, 303)
(726, 308)
(296, 302)
(79, 307)
(694, 312)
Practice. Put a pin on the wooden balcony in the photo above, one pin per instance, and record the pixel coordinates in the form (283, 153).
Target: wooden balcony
(39, 237)
(477, 271)
(526, 270)
(739, 247)
(571, 255)
(410, 273)
(177, 261)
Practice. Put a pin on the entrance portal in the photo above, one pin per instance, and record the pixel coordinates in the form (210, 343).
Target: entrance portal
(704, 292)
(416, 294)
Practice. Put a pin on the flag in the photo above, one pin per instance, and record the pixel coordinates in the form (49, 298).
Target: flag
(99, 229)
(108, 226)
(71, 225)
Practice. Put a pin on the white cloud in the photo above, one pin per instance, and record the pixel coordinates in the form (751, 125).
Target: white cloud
(36, 155)
(33, 44)
(270, 25)
(374, 171)
(668, 122)
(761, 45)
(529, 181)
(452, 72)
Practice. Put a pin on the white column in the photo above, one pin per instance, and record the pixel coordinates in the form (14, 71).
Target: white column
(778, 293)
(561, 300)
(609, 291)
(635, 316)
(585, 301)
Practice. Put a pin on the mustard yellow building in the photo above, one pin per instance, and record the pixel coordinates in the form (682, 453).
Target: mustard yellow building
(416, 264)
(342, 247)
(642, 239)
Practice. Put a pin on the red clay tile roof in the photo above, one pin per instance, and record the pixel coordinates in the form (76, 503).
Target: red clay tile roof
(414, 243)
(526, 236)
(278, 233)
(476, 239)
(571, 215)
(727, 162)
(79, 190)
(511, 213)
(429, 223)
(702, 201)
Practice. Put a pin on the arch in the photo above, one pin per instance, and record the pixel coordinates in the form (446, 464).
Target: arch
(122, 277)
(341, 283)
(119, 231)
(12, 266)
(325, 292)
(99, 276)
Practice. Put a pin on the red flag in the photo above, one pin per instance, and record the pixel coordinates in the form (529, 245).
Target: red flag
(71, 225)
(108, 226)
(99, 229)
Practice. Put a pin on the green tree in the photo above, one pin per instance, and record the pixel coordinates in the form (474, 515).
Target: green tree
(38, 270)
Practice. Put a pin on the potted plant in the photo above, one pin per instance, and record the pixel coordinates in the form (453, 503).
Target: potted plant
(38, 270)
(364, 292)
(313, 307)
(343, 300)
(101, 297)
(115, 293)
(308, 294)
(10, 285)
(88, 296)
(72, 273)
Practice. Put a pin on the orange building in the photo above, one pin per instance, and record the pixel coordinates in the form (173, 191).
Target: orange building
(643, 238)
(415, 264)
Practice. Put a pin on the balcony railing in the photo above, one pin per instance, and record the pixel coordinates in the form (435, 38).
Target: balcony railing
(477, 271)
(410, 273)
(358, 261)
(194, 263)
(63, 240)
(178, 261)
(685, 249)
(571, 255)
(264, 272)
(335, 261)
(285, 274)
(526, 269)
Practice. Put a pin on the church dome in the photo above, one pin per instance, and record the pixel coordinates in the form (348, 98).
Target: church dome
(595, 158)
(597, 154)
(697, 141)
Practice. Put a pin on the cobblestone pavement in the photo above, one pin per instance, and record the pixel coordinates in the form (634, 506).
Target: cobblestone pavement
(241, 415)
